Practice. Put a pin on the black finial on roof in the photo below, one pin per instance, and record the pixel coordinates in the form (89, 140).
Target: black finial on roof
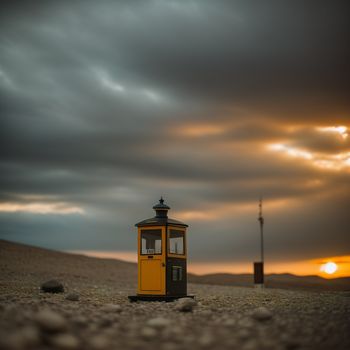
(161, 209)
(161, 217)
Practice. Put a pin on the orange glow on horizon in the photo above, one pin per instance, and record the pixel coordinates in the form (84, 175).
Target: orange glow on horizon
(301, 268)
(330, 268)
(119, 255)
(342, 266)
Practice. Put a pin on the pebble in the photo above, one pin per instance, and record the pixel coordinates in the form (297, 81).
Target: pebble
(289, 342)
(111, 308)
(251, 345)
(11, 342)
(262, 314)
(105, 321)
(30, 336)
(185, 304)
(206, 313)
(65, 341)
(245, 323)
(206, 340)
(177, 330)
(148, 332)
(229, 323)
(158, 322)
(72, 297)
(80, 322)
(243, 333)
(52, 286)
(99, 342)
(51, 321)
(169, 346)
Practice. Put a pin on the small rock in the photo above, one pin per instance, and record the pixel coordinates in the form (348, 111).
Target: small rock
(251, 345)
(290, 343)
(246, 323)
(52, 286)
(229, 322)
(30, 336)
(169, 346)
(112, 308)
(105, 321)
(268, 343)
(206, 340)
(185, 304)
(206, 313)
(262, 314)
(81, 321)
(11, 342)
(148, 332)
(51, 321)
(65, 341)
(72, 297)
(243, 334)
(99, 342)
(158, 322)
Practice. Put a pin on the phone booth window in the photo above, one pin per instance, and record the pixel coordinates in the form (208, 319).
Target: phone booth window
(176, 242)
(151, 242)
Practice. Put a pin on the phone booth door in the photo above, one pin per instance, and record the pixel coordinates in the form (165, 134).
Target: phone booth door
(152, 261)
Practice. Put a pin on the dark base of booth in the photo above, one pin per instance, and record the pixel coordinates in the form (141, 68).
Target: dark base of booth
(167, 298)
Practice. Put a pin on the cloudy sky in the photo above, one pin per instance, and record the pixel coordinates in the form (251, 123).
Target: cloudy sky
(107, 105)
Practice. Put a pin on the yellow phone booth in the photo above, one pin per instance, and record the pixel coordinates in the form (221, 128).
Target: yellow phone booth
(162, 268)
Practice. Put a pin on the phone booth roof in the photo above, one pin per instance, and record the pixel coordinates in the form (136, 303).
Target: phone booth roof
(161, 218)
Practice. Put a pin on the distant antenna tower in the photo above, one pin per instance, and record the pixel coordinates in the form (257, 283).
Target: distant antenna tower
(261, 220)
(259, 265)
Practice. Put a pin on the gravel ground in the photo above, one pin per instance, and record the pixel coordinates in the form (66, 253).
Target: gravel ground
(94, 312)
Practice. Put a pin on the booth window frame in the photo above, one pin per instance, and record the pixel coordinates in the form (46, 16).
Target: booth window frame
(177, 255)
(148, 231)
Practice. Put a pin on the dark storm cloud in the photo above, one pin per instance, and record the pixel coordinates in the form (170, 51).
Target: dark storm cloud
(99, 101)
(231, 51)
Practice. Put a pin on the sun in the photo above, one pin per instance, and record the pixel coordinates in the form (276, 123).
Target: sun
(329, 268)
